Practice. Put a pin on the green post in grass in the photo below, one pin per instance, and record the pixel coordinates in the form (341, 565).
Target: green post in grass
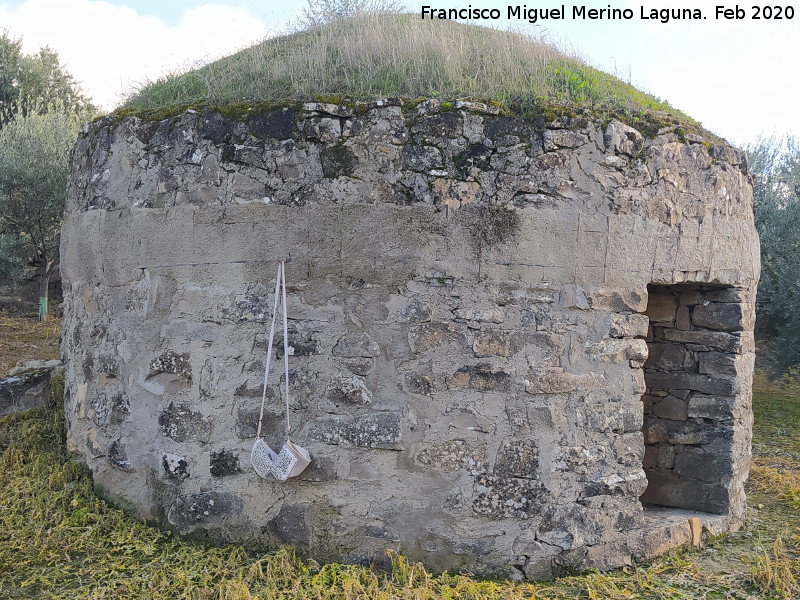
(42, 308)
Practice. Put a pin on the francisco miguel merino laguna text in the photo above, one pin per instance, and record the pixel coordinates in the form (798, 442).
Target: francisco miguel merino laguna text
(533, 15)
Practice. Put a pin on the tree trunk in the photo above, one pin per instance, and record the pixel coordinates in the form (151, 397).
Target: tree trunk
(44, 286)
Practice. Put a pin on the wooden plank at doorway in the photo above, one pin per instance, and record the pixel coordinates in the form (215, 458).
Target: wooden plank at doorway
(696, 527)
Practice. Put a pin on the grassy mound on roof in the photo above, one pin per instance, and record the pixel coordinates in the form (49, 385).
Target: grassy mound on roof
(400, 55)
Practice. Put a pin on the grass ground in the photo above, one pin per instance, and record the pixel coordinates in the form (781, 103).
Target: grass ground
(23, 337)
(59, 541)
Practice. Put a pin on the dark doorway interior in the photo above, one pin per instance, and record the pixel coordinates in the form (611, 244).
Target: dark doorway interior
(694, 373)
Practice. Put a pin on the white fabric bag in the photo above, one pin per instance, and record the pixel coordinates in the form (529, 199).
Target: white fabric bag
(292, 459)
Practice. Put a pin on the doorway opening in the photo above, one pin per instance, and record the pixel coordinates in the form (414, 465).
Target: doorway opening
(697, 399)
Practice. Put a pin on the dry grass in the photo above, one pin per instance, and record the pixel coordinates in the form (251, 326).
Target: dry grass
(25, 338)
(774, 574)
(388, 54)
(783, 483)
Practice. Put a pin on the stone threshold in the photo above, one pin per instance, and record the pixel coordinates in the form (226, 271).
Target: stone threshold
(668, 528)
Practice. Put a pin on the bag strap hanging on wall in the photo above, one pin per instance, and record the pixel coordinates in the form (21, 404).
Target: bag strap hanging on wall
(292, 459)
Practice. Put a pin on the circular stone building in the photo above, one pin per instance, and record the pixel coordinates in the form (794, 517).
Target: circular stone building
(517, 346)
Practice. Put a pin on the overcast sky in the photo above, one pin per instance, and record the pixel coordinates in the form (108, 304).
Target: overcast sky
(738, 77)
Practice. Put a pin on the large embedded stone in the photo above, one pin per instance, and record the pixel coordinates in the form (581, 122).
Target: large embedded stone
(517, 458)
(696, 462)
(671, 407)
(224, 463)
(484, 315)
(359, 366)
(717, 315)
(665, 458)
(682, 318)
(371, 430)
(120, 408)
(108, 365)
(618, 350)
(667, 357)
(349, 390)
(276, 124)
(558, 381)
(117, 455)
(668, 489)
(173, 363)
(618, 300)
(338, 161)
(502, 127)
(421, 158)
(722, 386)
(420, 383)
(176, 468)
(302, 342)
(661, 535)
(739, 343)
(631, 325)
(482, 377)
(215, 126)
(238, 308)
(322, 129)
(727, 294)
(182, 424)
(247, 422)
(622, 139)
(599, 557)
(441, 125)
(203, 510)
(573, 525)
(328, 108)
(657, 430)
(718, 408)
(563, 138)
(724, 364)
(662, 309)
(453, 456)
(476, 156)
(428, 336)
(497, 343)
(290, 525)
(501, 497)
(321, 469)
(478, 107)
(357, 345)
(455, 194)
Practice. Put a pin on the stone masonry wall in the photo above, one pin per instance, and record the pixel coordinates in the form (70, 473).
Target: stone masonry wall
(466, 300)
(698, 420)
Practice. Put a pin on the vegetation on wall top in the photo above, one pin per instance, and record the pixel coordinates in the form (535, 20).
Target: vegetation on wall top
(387, 54)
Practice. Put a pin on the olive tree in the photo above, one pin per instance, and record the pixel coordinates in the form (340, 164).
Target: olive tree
(34, 82)
(34, 164)
(775, 165)
(41, 108)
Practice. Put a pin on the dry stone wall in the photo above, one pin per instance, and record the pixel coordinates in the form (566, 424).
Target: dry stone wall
(468, 324)
(697, 406)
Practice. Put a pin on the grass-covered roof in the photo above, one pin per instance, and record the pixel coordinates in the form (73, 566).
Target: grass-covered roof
(390, 54)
